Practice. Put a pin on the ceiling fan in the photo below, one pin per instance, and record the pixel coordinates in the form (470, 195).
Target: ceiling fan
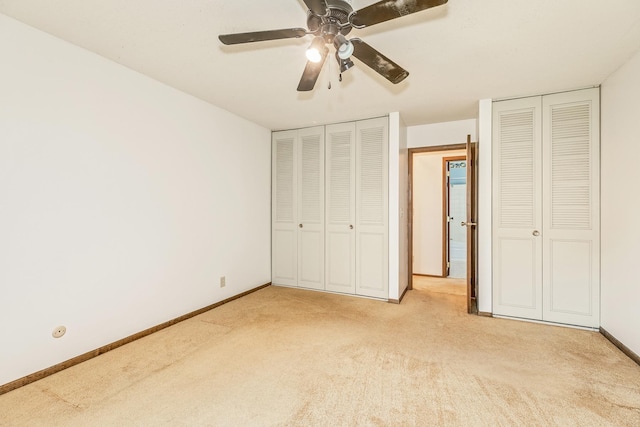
(330, 21)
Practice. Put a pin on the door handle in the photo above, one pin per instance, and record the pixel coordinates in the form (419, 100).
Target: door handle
(300, 225)
(536, 233)
(468, 224)
(351, 227)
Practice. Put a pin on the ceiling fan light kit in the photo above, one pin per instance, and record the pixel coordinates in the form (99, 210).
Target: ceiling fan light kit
(330, 21)
(317, 50)
(344, 48)
(345, 64)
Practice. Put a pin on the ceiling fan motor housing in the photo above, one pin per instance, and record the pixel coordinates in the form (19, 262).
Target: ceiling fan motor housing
(335, 22)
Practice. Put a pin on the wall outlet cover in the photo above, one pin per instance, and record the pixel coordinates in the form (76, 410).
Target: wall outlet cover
(59, 332)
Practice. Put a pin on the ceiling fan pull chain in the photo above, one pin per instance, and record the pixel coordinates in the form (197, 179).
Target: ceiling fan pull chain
(340, 77)
(329, 65)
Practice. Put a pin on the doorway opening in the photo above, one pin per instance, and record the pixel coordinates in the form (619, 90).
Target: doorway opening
(454, 213)
(442, 232)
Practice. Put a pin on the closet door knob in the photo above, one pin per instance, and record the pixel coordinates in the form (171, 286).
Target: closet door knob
(536, 233)
(350, 227)
(300, 225)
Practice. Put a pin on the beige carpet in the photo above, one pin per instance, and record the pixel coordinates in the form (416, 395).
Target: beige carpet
(288, 357)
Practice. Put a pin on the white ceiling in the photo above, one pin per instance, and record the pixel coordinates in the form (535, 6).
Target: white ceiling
(457, 54)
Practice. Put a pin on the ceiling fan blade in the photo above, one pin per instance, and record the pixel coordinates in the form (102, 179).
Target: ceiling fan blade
(318, 7)
(386, 10)
(378, 62)
(311, 73)
(258, 36)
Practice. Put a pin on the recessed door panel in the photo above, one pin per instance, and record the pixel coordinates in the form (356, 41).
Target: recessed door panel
(310, 270)
(518, 292)
(284, 258)
(371, 264)
(340, 263)
(570, 280)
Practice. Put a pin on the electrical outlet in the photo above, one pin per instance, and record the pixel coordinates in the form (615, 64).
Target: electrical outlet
(59, 332)
(223, 281)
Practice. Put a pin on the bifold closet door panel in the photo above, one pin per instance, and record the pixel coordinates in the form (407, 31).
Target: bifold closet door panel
(311, 208)
(517, 201)
(372, 208)
(284, 252)
(340, 208)
(571, 284)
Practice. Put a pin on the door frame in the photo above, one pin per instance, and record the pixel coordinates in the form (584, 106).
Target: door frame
(413, 151)
(471, 296)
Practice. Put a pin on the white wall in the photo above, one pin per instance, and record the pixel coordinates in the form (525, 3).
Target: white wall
(483, 165)
(403, 225)
(427, 211)
(448, 133)
(123, 201)
(398, 182)
(620, 292)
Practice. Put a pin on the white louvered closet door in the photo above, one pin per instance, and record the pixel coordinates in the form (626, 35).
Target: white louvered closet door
(311, 208)
(517, 200)
(372, 208)
(284, 263)
(571, 215)
(340, 208)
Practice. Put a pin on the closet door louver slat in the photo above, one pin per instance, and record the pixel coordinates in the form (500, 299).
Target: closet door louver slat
(517, 162)
(371, 190)
(285, 180)
(571, 202)
(312, 179)
(340, 179)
